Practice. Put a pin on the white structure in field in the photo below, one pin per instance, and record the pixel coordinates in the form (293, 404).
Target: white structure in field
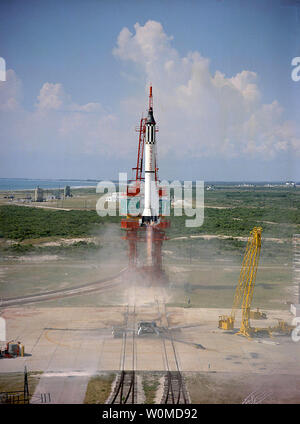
(38, 194)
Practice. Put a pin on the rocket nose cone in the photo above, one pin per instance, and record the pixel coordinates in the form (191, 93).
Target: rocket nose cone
(150, 118)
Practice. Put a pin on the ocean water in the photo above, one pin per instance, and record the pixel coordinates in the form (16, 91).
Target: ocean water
(13, 184)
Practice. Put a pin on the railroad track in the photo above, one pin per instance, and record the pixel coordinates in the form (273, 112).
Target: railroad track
(174, 387)
(125, 386)
(60, 293)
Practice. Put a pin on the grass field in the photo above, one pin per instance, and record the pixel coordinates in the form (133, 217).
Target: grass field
(10, 382)
(98, 389)
(150, 384)
(25, 278)
(229, 211)
(232, 388)
(44, 249)
(213, 286)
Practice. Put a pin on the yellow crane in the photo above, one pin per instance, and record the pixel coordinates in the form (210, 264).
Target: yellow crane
(244, 290)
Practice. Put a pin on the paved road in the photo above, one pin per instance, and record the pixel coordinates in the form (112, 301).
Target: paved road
(63, 389)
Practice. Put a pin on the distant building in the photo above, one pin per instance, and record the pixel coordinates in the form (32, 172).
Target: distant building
(67, 191)
(38, 194)
(290, 184)
(57, 195)
(50, 197)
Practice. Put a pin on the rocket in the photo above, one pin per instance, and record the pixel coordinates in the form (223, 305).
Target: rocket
(150, 214)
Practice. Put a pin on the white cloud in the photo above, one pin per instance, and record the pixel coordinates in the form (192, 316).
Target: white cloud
(10, 92)
(147, 45)
(51, 97)
(201, 114)
(57, 123)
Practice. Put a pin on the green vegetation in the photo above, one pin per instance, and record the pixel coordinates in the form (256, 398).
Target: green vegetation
(210, 286)
(234, 211)
(230, 211)
(207, 272)
(233, 388)
(98, 389)
(11, 382)
(258, 196)
(240, 220)
(19, 223)
(61, 273)
(75, 249)
(204, 270)
(150, 386)
(196, 250)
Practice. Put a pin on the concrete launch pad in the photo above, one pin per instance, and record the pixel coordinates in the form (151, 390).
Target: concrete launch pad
(80, 340)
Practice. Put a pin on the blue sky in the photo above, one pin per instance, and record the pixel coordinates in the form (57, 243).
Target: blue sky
(77, 87)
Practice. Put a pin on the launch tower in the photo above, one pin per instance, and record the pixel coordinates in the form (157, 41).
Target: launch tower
(149, 225)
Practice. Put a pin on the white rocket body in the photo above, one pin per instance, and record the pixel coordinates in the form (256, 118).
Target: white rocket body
(151, 205)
